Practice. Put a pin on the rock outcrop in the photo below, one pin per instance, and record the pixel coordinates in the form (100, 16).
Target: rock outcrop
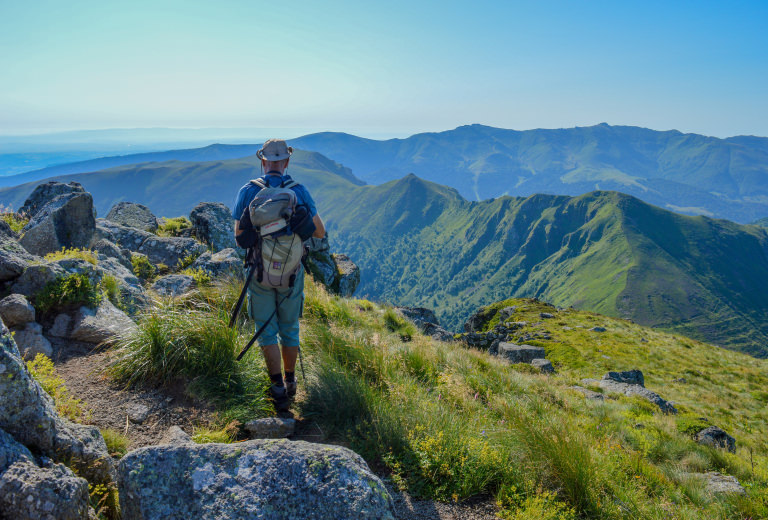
(102, 325)
(28, 415)
(426, 321)
(275, 479)
(716, 438)
(32, 490)
(224, 262)
(133, 215)
(212, 225)
(337, 272)
(46, 192)
(16, 311)
(174, 285)
(616, 382)
(66, 221)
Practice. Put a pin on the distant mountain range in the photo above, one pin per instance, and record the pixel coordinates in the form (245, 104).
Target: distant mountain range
(688, 173)
(421, 243)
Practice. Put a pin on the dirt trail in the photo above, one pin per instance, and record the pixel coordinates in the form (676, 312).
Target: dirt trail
(81, 367)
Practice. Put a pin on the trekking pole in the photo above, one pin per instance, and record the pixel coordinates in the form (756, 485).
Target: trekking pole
(233, 319)
(261, 329)
(301, 364)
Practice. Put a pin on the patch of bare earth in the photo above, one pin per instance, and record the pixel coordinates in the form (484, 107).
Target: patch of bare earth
(82, 369)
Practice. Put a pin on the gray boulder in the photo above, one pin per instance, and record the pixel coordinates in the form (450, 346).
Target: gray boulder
(587, 393)
(212, 224)
(520, 353)
(13, 259)
(598, 329)
(35, 277)
(609, 385)
(32, 491)
(544, 365)
(320, 262)
(173, 285)
(102, 325)
(224, 262)
(170, 250)
(631, 377)
(270, 428)
(722, 484)
(420, 316)
(122, 236)
(348, 274)
(175, 435)
(108, 249)
(716, 438)
(28, 414)
(435, 331)
(46, 192)
(65, 221)
(257, 479)
(6, 231)
(133, 215)
(31, 342)
(16, 311)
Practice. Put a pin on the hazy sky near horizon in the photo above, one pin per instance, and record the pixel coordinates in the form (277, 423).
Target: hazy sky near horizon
(384, 67)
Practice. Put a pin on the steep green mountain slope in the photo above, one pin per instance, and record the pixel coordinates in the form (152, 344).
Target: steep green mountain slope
(689, 173)
(175, 187)
(422, 244)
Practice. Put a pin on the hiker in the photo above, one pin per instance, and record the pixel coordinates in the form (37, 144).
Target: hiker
(275, 293)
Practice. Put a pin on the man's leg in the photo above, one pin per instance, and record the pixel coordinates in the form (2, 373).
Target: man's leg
(261, 305)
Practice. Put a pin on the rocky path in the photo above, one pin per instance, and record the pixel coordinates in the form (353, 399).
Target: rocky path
(144, 417)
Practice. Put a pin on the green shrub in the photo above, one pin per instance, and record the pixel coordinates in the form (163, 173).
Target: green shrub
(15, 220)
(201, 277)
(73, 252)
(396, 323)
(691, 425)
(43, 371)
(172, 227)
(187, 261)
(544, 506)
(111, 287)
(73, 289)
(117, 443)
(142, 268)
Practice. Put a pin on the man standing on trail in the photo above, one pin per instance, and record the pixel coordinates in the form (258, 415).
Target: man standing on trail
(264, 300)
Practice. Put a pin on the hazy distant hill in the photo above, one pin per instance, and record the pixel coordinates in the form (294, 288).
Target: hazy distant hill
(214, 152)
(688, 173)
(175, 187)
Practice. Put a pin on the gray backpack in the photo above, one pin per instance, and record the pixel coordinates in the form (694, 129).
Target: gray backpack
(278, 250)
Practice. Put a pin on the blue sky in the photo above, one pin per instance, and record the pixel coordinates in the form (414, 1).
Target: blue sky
(383, 67)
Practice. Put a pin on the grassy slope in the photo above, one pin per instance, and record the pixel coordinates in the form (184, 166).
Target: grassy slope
(449, 422)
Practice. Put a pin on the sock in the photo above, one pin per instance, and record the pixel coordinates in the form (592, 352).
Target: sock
(290, 377)
(277, 379)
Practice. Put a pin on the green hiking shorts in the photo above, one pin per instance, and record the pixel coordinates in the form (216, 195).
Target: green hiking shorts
(262, 302)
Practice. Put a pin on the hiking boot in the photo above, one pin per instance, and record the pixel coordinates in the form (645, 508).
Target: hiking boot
(290, 388)
(280, 398)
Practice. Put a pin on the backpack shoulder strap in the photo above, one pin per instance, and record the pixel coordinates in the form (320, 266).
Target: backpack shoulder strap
(290, 184)
(260, 183)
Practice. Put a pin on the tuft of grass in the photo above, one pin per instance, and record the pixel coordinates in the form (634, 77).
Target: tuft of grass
(73, 252)
(43, 371)
(111, 288)
(142, 267)
(173, 227)
(189, 340)
(15, 220)
(73, 289)
(398, 324)
(187, 261)
(117, 443)
(201, 277)
(226, 434)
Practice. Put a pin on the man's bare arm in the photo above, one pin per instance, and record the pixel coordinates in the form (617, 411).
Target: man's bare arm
(319, 227)
(237, 228)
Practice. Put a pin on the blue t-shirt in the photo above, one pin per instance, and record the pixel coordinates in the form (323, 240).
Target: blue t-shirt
(249, 191)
